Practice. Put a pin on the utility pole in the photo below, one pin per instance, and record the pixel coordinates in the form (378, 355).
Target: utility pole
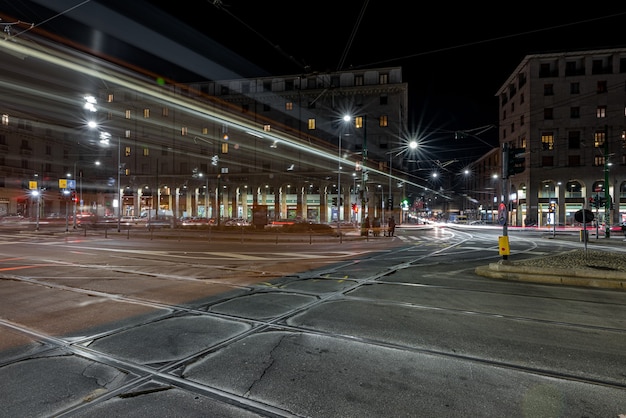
(607, 196)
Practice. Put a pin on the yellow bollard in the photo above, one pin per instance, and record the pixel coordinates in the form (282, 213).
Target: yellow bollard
(503, 245)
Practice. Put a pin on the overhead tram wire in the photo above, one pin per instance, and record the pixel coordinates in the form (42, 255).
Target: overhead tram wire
(352, 35)
(220, 6)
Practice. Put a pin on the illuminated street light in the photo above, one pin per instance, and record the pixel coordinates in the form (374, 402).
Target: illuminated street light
(361, 121)
(409, 147)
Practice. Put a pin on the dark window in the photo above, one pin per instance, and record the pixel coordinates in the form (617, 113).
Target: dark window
(547, 161)
(602, 87)
(544, 70)
(384, 99)
(548, 89)
(289, 85)
(573, 140)
(596, 67)
(573, 160)
(574, 112)
(574, 88)
(548, 113)
(267, 85)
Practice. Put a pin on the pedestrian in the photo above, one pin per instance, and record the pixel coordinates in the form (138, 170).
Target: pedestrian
(376, 226)
(392, 226)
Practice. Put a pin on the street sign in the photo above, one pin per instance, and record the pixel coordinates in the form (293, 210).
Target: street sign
(502, 215)
(588, 216)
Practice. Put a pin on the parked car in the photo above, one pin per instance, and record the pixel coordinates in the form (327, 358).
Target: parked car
(236, 222)
(131, 220)
(619, 227)
(161, 223)
(281, 222)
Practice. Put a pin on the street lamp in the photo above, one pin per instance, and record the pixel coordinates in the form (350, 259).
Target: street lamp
(361, 121)
(105, 140)
(409, 147)
(339, 192)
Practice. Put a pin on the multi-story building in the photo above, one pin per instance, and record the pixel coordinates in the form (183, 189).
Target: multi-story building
(567, 111)
(189, 151)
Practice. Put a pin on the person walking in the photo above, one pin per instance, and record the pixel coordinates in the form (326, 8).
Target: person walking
(392, 226)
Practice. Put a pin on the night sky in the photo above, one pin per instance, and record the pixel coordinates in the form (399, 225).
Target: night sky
(454, 57)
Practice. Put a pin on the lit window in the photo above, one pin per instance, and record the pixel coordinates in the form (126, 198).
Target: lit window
(127, 133)
(311, 124)
(547, 141)
(165, 112)
(127, 151)
(289, 106)
(383, 121)
(358, 122)
(183, 131)
(225, 148)
(267, 127)
(146, 152)
(599, 138)
(5, 119)
(127, 114)
(146, 113)
(601, 112)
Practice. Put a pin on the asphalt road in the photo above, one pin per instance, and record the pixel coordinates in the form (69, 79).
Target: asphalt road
(187, 326)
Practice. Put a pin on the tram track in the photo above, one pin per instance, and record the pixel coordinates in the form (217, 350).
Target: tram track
(170, 374)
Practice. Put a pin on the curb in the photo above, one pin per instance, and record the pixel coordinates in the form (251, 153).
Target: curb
(571, 277)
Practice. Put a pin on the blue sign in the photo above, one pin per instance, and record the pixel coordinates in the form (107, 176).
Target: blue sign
(71, 184)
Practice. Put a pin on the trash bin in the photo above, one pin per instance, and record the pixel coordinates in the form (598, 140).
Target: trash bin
(584, 235)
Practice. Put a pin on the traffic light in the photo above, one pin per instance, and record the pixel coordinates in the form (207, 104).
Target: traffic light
(592, 202)
(355, 208)
(74, 199)
(515, 160)
(334, 201)
(600, 201)
(390, 202)
(552, 207)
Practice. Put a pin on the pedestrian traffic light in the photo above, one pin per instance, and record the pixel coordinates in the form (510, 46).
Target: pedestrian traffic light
(552, 207)
(334, 201)
(355, 208)
(515, 160)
